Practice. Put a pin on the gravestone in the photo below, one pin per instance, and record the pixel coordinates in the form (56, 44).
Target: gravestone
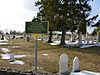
(13, 36)
(2, 37)
(76, 64)
(28, 38)
(63, 64)
(12, 58)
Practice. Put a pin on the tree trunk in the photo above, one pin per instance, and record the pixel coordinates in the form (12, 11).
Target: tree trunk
(92, 39)
(80, 38)
(85, 38)
(50, 37)
(97, 39)
(63, 37)
(72, 37)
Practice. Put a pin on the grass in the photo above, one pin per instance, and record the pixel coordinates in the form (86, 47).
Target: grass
(89, 57)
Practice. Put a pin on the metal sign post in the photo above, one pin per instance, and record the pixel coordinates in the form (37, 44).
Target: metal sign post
(36, 27)
(35, 52)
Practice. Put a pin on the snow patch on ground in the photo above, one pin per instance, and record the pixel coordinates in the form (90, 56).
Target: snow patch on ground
(39, 39)
(5, 50)
(86, 46)
(17, 62)
(38, 67)
(91, 45)
(7, 56)
(73, 44)
(45, 54)
(67, 42)
(16, 46)
(55, 43)
(3, 43)
(84, 73)
(5, 40)
(19, 56)
(98, 44)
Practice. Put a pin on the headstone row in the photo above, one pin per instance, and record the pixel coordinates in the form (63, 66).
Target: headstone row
(63, 65)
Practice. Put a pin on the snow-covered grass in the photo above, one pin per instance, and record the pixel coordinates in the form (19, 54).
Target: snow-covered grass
(85, 44)
(84, 73)
(5, 50)
(19, 56)
(18, 62)
(45, 54)
(49, 61)
(4, 42)
(7, 56)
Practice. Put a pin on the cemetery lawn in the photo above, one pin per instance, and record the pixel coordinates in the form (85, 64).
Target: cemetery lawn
(89, 57)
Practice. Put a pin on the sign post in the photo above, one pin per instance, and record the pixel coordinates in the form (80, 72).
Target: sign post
(35, 52)
(36, 27)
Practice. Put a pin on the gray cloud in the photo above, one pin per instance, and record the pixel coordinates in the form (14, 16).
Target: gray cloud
(30, 5)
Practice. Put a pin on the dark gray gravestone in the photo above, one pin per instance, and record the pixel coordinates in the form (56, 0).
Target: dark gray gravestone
(2, 37)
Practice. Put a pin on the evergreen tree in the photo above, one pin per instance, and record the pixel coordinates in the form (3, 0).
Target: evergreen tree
(47, 9)
(83, 9)
(66, 15)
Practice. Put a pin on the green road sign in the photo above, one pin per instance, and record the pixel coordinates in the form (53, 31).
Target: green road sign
(37, 27)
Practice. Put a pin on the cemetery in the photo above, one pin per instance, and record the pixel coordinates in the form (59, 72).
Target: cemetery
(31, 54)
(18, 56)
(58, 37)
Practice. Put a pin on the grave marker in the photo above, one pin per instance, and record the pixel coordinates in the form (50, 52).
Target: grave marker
(76, 64)
(63, 64)
(12, 58)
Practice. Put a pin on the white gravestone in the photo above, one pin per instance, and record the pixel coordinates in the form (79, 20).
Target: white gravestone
(63, 64)
(76, 64)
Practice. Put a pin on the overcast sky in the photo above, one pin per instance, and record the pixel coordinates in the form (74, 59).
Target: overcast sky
(14, 13)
